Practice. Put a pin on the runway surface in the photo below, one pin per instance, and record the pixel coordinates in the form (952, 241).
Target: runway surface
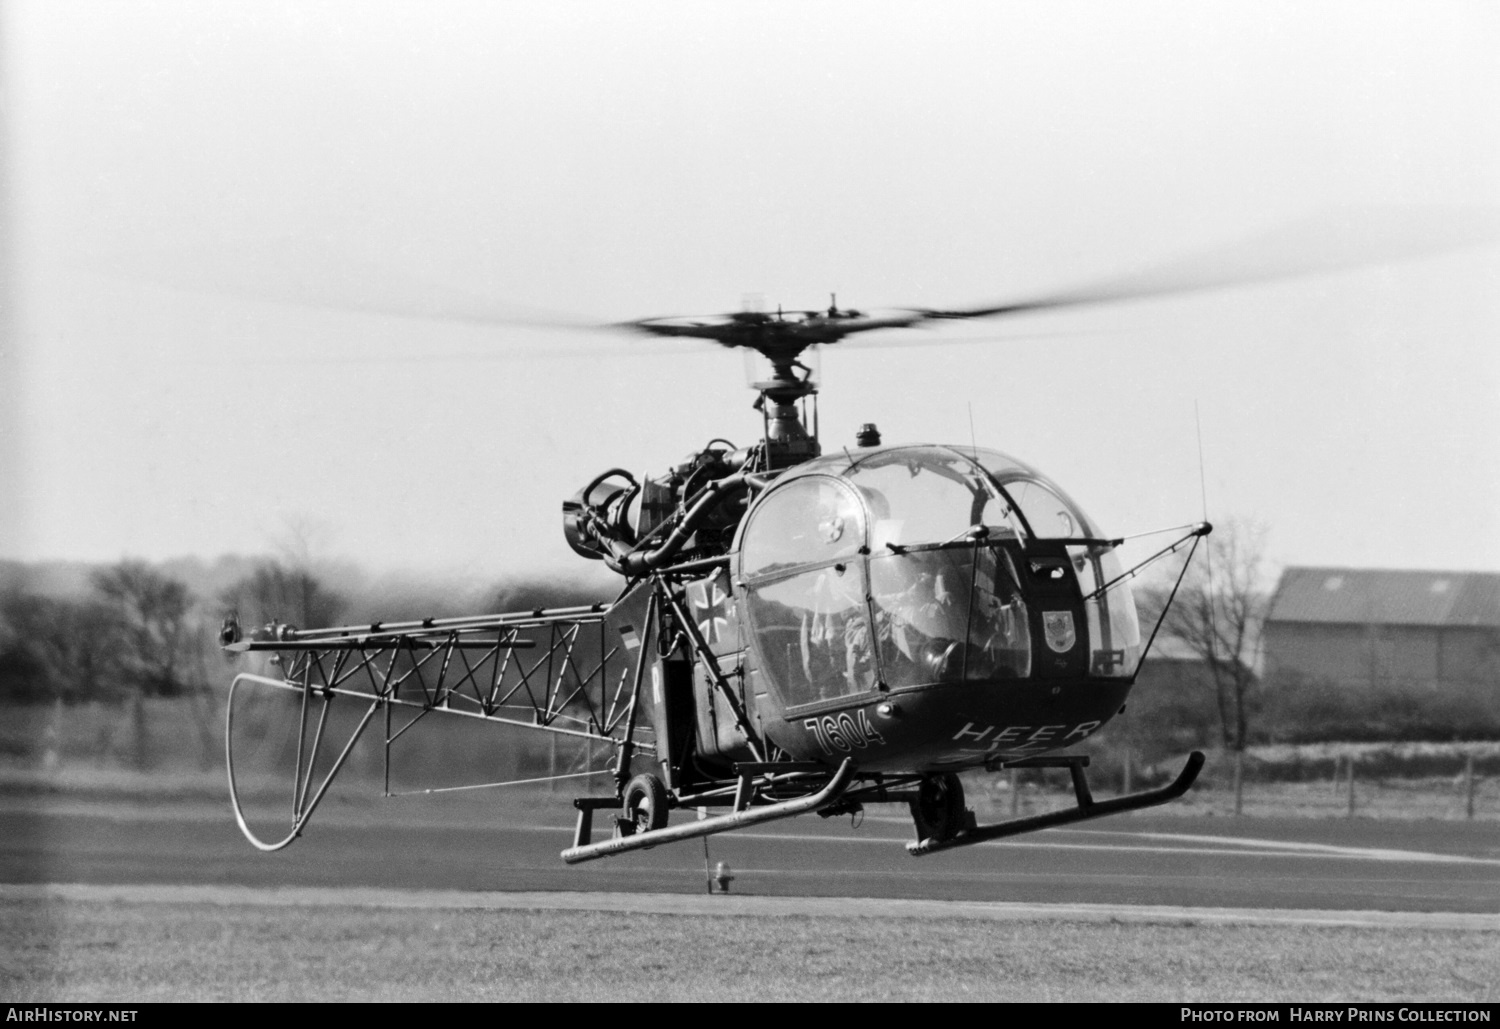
(1133, 863)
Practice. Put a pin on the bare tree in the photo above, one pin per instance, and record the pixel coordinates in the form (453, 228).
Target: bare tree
(1218, 614)
(152, 612)
(58, 649)
(275, 592)
(156, 640)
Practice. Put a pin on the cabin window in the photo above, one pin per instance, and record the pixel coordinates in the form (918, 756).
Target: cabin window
(948, 615)
(999, 634)
(1113, 626)
(800, 553)
(1048, 515)
(812, 630)
(926, 495)
(809, 521)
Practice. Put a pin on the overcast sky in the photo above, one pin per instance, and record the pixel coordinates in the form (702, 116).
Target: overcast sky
(209, 205)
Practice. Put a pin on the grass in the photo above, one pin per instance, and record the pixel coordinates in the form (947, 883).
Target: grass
(84, 951)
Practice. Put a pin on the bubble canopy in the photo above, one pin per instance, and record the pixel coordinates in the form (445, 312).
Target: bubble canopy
(908, 566)
(906, 495)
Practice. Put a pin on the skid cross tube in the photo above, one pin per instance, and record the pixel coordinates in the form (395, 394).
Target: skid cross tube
(1087, 807)
(585, 851)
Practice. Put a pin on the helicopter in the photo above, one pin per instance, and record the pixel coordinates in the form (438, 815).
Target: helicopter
(798, 629)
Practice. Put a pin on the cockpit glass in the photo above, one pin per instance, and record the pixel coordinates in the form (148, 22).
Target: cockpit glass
(948, 615)
(809, 521)
(812, 630)
(1048, 515)
(925, 495)
(1001, 466)
(864, 571)
(1049, 512)
(1114, 630)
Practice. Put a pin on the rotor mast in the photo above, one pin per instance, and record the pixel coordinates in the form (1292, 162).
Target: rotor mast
(787, 440)
(781, 338)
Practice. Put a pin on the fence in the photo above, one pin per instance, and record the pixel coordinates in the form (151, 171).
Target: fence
(1330, 780)
(184, 737)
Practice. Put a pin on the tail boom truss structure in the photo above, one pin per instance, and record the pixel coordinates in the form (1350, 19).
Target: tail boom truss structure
(556, 670)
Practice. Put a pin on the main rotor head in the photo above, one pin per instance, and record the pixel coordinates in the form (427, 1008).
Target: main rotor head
(782, 336)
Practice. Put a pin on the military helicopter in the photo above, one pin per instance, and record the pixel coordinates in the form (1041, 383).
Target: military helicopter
(797, 629)
(795, 632)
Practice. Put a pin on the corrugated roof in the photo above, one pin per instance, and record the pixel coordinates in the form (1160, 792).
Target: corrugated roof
(1366, 596)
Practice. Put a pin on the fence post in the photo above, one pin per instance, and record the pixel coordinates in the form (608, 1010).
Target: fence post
(1239, 781)
(1125, 772)
(52, 738)
(1469, 786)
(1015, 793)
(140, 746)
(1350, 813)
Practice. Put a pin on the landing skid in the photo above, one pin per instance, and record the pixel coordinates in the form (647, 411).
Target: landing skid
(1086, 808)
(583, 850)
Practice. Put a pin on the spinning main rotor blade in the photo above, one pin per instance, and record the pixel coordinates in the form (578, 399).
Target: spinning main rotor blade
(1343, 242)
(1317, 246)
(309, 274)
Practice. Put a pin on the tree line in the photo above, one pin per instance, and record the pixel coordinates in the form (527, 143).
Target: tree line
(132, 634)
(136, 631)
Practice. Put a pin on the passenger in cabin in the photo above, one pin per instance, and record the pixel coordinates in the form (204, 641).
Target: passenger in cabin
(836, 655)
(998, 630)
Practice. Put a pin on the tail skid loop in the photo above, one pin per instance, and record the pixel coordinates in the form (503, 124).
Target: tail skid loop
(303, 805)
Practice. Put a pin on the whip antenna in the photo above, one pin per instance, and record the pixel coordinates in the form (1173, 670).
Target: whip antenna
(1208, 551)
(1202, 479)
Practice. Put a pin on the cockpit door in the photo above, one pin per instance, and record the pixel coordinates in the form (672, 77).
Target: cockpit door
(1059, 629)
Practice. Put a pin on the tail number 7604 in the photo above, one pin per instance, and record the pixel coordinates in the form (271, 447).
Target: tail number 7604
(844, 732)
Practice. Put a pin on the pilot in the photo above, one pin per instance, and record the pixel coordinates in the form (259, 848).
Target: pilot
(998, 623)
(921, 621)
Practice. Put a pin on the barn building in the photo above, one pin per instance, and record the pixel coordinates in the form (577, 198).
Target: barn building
(1385, 629)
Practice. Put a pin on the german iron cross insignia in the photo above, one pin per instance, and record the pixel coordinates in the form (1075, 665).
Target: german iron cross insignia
(709, 601)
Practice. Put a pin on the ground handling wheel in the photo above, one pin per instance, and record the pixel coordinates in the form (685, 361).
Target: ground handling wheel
(645, 805)
(939, 811)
